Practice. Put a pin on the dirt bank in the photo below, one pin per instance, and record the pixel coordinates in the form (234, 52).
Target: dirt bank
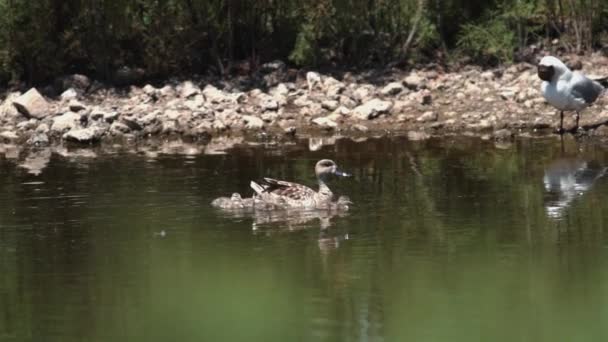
(279, 102)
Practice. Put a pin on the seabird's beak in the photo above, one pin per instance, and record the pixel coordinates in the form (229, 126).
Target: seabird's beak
(545, 72)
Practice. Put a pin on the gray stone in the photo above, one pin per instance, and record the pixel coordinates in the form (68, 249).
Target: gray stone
(417, 135)
(325, 122)
(372, 109)
(32, 104)
(427, 117)
(330, 105)
(8, 136)
(69, 94)
(392, 88)
(214, 95)
(118, 128)
(76, 106)
(85, 135)
(77, 82)
(65, 122)
(253, 122)
(189, 90)
(269, 103)
(42, 128)
(39, 139)
(414, 81)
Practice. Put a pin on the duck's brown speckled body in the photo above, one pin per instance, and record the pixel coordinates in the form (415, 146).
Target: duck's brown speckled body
(282, 194)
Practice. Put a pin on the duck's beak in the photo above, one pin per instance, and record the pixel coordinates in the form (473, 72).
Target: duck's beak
(342, 173)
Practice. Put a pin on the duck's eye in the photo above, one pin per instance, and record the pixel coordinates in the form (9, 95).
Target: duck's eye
(327, 164)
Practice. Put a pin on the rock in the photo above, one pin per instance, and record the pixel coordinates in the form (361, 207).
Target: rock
(76, 106)
(372, 109)
(503, 134)
(8, 136)
(149, 90)
(42, 128)
(330, 105)
(69, 94)
(253, 122)
(65, 122)
(360, 127)
(27, 125)
(325, 122)
(110, 117)
(127, 76)
(7, 110)
(32, 105)
(269, 103)
(392, 88)
(425, 98)
(342, 111)
(313, 79)
(302, 101)
(427, 117)
(169, 127)
(290, 130)
(166, 91)
(85, 135)
(118, 128)
(347, 102)
(414, 81)
(417, 135)
(39, 139)
(363, 93)
(132, 122)
(270, 116)
(214, 95)
(76, 82)
(279, 90)
(189, 90)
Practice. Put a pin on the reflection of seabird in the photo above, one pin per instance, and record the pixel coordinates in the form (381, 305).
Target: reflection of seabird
(284, 194)
(565, 179)
(565, 89)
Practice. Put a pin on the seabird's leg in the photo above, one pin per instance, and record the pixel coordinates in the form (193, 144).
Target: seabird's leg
(577, 117)
(561, 122)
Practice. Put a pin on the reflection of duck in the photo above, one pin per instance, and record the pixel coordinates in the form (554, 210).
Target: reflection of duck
(565, 179)
(284, 194)
(297, 218)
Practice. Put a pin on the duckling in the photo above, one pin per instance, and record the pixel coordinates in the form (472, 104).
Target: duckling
(284, 194)
(233, 202)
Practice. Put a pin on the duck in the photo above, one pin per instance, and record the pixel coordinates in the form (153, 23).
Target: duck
(283, 194)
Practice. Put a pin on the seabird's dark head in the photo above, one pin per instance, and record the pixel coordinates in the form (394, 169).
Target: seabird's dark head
(551, 68)
(546, 72)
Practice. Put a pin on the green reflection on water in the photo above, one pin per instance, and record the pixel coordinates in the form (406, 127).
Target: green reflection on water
(449, 240)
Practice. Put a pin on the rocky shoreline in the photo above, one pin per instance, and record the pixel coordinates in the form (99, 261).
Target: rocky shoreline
(280, 102)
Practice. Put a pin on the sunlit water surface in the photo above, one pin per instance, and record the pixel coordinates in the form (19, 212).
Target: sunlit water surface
(448, 240)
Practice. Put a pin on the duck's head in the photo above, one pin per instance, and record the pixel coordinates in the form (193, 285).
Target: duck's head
(326, 167)
(551, 68)
(236, 197)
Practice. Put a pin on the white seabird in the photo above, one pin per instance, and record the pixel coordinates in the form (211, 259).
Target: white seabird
(567, 90)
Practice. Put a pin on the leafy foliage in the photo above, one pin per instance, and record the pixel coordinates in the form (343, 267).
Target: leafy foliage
(42, 39)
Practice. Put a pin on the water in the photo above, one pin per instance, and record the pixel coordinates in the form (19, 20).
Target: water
(448, 240)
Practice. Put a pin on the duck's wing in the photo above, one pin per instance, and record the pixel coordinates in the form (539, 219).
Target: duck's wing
(285, 189)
